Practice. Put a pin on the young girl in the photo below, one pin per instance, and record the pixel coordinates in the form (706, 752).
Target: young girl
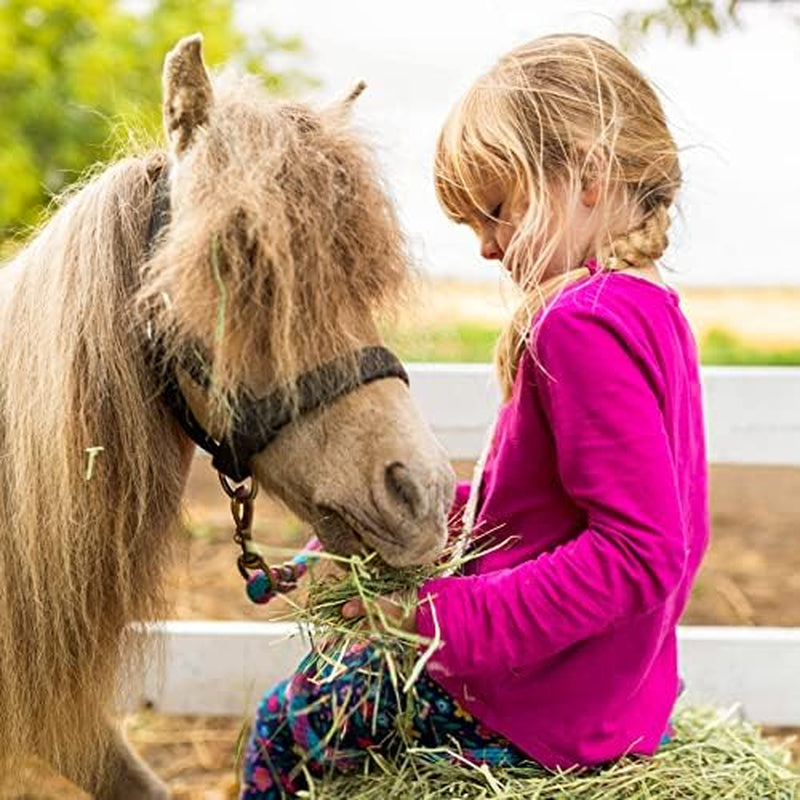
(558, 646)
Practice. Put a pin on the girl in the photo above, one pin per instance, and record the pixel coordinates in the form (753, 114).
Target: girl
(559, 646)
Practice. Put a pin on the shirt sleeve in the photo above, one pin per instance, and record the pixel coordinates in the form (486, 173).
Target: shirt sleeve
(602, 399)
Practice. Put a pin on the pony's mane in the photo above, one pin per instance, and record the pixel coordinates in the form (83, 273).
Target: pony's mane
(281, 244)
(81, 554)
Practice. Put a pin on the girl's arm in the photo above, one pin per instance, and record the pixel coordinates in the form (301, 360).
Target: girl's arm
(601, 396)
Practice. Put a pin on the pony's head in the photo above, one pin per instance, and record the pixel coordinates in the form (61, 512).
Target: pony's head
(281, 247)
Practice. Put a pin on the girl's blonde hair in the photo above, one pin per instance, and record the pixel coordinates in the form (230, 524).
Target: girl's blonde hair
(551, 118)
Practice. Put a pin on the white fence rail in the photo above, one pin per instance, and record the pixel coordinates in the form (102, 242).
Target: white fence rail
(222, 668)
(752, 413)
(753, 417)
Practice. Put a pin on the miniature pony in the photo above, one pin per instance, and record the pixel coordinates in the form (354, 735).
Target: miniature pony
(279, 247)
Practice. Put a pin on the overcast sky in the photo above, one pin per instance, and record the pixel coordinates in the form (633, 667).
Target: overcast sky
(733, 103)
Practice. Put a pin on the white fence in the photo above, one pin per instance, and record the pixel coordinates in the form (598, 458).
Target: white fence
(753, 417)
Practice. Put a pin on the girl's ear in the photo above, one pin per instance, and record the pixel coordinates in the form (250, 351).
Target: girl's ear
(590, 194)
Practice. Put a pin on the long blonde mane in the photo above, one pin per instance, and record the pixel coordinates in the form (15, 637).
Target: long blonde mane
(80, 555)
(281, 240)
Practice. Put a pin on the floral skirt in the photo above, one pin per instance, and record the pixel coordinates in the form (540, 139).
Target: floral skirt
(324, 720)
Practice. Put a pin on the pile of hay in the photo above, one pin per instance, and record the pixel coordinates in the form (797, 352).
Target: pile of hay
(713, 755)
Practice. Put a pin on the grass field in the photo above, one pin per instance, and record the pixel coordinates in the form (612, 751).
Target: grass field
(460, 322)
(474, 342)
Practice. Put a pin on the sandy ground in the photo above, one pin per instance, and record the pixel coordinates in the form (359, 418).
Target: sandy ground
(751, 575)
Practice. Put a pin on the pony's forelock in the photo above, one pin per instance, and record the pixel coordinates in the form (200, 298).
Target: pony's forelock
(282, 243)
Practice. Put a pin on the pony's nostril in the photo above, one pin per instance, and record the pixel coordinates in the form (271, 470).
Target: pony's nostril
(402, 487)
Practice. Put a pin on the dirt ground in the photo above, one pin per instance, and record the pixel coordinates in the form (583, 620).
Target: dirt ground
(751, 575)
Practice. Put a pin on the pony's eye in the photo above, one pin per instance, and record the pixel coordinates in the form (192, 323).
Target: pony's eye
(495, 212)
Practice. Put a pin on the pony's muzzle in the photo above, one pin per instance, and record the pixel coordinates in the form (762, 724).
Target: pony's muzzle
(412, 501)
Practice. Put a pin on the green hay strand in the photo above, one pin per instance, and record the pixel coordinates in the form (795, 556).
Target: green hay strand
(223, 290)
(91, 456)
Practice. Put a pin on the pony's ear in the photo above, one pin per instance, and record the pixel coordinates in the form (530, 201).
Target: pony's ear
(342, 107)
(354, 94)
(187, 92)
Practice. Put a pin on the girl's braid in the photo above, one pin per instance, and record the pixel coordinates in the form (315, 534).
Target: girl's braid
(636, 248)
(642, 245)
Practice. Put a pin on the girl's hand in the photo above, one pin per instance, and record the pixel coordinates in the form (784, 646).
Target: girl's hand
(398, 614)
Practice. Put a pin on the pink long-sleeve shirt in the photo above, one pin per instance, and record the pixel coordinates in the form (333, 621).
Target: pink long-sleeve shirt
(564, 640)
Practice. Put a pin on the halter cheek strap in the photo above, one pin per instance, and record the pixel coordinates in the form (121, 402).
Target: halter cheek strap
(258, 421)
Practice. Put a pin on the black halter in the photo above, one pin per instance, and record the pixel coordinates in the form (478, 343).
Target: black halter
(257, 421)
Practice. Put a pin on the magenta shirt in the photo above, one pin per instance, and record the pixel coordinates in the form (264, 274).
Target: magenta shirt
(564, 639)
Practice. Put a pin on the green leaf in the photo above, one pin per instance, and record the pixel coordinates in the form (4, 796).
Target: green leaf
(689, 18)
(80, 79)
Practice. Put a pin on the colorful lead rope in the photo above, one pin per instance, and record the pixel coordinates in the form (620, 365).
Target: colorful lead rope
(263, 581)
(263, 585)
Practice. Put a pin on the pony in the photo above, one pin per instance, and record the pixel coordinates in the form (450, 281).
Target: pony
(279, 250)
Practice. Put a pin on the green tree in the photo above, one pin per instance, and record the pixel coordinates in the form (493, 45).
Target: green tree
(686, 17)
(76, 74)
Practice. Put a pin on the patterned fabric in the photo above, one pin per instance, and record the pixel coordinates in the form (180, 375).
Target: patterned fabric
(293, 728)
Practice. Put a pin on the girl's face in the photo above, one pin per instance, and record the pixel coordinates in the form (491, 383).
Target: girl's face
(497, 227)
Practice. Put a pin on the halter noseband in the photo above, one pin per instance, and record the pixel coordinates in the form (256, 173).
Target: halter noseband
(257, 420)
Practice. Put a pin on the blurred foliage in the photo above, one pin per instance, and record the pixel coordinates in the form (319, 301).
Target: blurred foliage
(77, 76)
(686, 17)
(474, 342)
(456, 341)
(721, 347)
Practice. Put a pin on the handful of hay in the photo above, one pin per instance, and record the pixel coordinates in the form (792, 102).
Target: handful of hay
(368, 579)
(712, 756)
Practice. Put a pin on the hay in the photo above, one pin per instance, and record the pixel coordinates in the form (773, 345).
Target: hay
(713, 754)
(368, 578)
